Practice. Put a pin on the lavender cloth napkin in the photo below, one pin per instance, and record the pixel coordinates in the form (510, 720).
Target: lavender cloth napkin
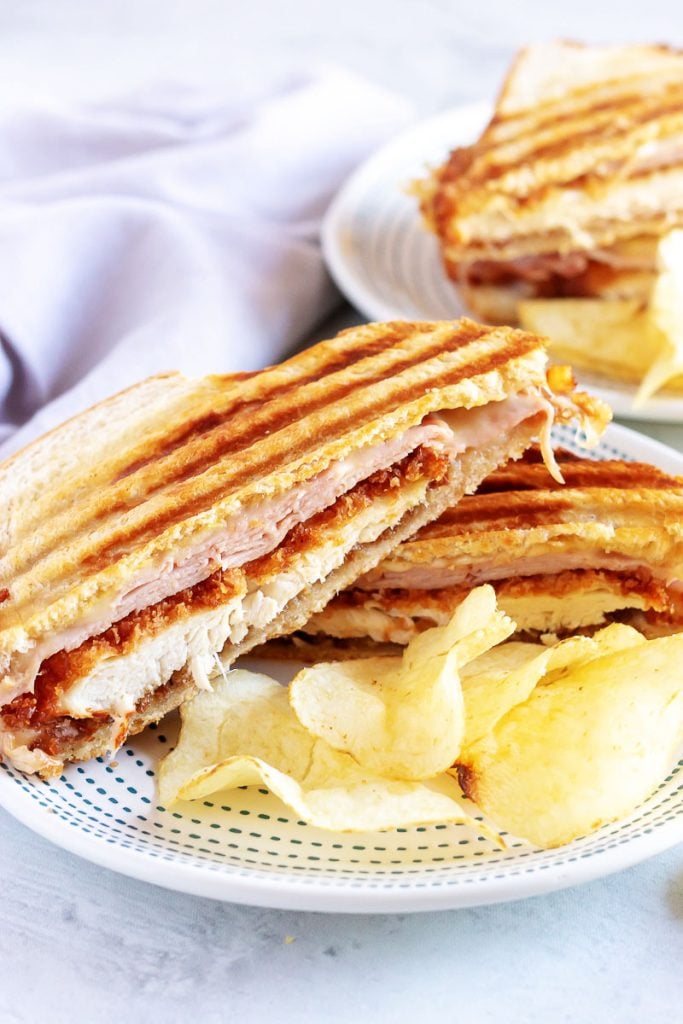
(170, 230)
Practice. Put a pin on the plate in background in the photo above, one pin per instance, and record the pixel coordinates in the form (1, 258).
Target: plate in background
(389, 266)
(246, 847)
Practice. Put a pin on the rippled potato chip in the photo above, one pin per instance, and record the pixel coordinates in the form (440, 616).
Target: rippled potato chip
(402, 718)
(587, 746)
(244, 732)
(496, 681)
(666, 314)
(575, 651)
(622, 338)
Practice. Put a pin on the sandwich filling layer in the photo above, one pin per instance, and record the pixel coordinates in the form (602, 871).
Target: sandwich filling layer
(566, 602)
(259, 528)
(104, 680)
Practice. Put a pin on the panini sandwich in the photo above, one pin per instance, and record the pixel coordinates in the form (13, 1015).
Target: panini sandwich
(572, 183)
(607, 545)
(184, 519)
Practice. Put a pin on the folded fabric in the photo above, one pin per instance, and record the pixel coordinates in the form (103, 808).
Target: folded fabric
(170, 230)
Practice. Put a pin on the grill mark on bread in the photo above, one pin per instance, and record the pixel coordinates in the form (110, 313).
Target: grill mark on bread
(154, 524)
(62, 669)
(447, 206)
(523, 493)
(586, 95)
(266, 460)
(218, 419)
(530, 471)
(593, 184)
(580, 104)
(237, 443)
(566, 113)
(461, 160)
(611, 130)
(615, 117)
(240, 440)
(232, 440)
(506, 511)
(215, 394)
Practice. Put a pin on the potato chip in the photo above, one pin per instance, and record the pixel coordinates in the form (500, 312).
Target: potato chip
(666, 314)
(495, 682)
(347, 806)
(506, 675)
(244, 713)
(585, 748)
(615, 337)
(402, 718)
(575, 651)
(244, 732)
(622, 338)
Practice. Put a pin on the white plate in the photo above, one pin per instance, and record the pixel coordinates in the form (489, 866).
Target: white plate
(389, 266)
(248, 848)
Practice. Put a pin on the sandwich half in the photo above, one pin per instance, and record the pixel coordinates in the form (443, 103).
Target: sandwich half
(607, 545)
(572, 183)
(185, 519)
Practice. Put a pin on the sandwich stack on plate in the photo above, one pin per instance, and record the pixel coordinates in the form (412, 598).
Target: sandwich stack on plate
(184, 520)
(572, 183)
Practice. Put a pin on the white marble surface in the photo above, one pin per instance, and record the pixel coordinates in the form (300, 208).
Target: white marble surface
(80, 944)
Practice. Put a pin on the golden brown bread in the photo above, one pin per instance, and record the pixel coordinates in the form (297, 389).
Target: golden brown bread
(630, 508)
